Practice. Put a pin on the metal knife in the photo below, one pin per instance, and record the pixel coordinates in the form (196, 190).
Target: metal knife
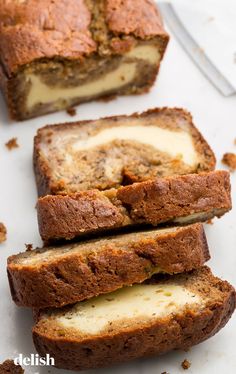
(194, 51)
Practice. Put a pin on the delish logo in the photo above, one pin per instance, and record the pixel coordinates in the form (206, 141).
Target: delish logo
(34, 360)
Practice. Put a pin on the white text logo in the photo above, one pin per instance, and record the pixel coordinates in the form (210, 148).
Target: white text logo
(34, 360)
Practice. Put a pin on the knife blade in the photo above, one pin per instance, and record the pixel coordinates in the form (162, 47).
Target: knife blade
(194, 51)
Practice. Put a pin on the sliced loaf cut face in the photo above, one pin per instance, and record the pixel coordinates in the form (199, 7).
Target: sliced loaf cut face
(115, 151)
(57, 276)
(176, 312)
(173, 200)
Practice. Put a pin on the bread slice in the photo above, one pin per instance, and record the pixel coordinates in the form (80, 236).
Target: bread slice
(115, 151)
(176, 312)
(54, 277)
(172, 200)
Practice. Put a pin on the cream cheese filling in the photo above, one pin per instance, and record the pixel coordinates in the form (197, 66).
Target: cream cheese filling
(124, 74)
(199, 216)
(131, 303)
(148, 53)
(178, 144)
(42, 93)
(195, 216)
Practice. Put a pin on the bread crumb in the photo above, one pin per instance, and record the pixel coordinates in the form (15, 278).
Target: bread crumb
(210, 19)
(11, 144)
(8, 366)
(210, 222)
(29, 247)
(71, 111)
(3, 233)
(229, 159)
(186, 364)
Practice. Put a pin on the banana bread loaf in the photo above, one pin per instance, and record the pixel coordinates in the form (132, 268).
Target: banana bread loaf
(56, 54)
(143, 320)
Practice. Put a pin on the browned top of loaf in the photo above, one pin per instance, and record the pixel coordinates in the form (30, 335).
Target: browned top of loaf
(32, 29)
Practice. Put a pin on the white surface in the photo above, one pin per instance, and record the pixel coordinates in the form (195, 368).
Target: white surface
(179, 84)
(213, 28)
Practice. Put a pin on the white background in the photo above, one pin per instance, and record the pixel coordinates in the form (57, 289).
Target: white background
(179, 84)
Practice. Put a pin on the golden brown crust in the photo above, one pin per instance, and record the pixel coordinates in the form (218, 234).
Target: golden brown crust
(106, 267)
(7, 87)
(180, 331)
(32, 30)
(88, 211)
(172, 118)
(140, 18)
(154, 201)
(162, 200)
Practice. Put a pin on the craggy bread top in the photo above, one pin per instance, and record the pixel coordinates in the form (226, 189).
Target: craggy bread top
(71, 29)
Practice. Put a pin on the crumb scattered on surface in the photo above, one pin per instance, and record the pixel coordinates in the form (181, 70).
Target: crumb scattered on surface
(235, 141)
(71, 111)
(229, 159)
(29, 247)
(210, 222)
(3, 233)
(11, 144)
(210, 19)
(186, 364)
(8, 366)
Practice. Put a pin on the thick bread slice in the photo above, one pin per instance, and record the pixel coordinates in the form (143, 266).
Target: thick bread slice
(54, 277)
(143, 320)
(111, 152)
(173, 200)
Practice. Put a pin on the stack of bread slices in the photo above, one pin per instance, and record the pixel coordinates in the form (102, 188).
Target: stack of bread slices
(122, 274)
